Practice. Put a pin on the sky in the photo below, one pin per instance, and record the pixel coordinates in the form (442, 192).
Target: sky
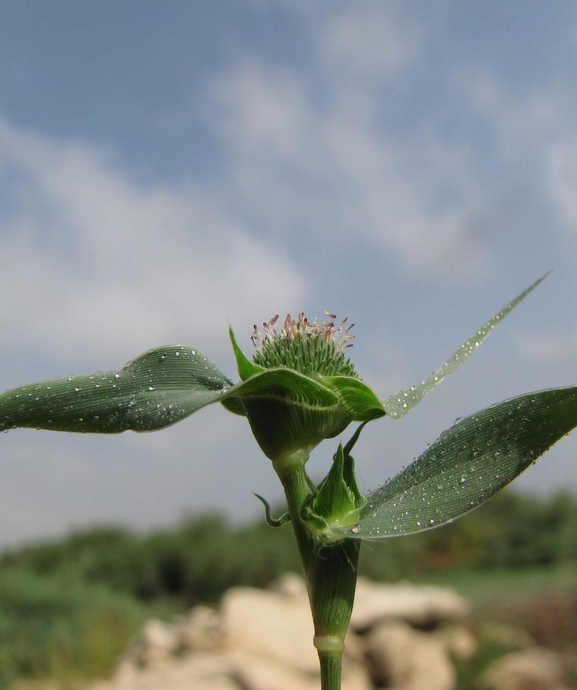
(168, 169)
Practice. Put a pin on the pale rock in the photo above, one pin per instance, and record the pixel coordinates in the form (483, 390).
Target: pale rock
(459, 642)
(157, 643)
(531, 669)
(269, 625)
(255, 672)
(291, 586)
(196, 672)
(421, 606)
(402, 658)
(200, 630)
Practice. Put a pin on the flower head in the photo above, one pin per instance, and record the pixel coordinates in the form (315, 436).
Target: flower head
(300, 388)
(307, 347)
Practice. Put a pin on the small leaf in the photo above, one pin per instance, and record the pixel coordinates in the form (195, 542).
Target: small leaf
(398, 405)
(155, 390)
(356, 397)
(245, 367)
(467, 464)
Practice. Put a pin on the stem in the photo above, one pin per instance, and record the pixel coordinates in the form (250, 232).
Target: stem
(294, 481)
(331, 576)
(331, 666)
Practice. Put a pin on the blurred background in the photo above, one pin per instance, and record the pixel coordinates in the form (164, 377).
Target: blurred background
(168, 169)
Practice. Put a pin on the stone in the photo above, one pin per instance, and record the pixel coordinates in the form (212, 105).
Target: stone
(402, 658)
(423, 607)
(269, 625)
(534, 668)
(199, 631)
(196, 672)
(459, 642)
(157, 643)
(291, 586)
(255, 672)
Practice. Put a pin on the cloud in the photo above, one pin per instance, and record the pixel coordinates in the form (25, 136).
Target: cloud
(374, 43)
(95, 263)
(323, 165)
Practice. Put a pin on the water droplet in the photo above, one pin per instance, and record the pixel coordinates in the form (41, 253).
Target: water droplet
(116, 376)
(356, 529)
(150, 388)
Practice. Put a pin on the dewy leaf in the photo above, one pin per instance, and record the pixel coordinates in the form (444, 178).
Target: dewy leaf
(469, 462)
(155, 390)
(398, 405)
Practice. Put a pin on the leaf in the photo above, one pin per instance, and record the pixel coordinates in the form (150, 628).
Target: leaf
(155, 390)
(469, 462)
(245, 367)
(356, 397)
(398, 405)
(289, 411)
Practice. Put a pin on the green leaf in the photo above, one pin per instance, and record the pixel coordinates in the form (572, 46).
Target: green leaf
(155, 390)
(398, 405)
(467, 464)
(245, 367)
(288, 411)
(356, 397)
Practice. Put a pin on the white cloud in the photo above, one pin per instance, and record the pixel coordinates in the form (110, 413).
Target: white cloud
(373, 43)
(302, 161)
(93, 262)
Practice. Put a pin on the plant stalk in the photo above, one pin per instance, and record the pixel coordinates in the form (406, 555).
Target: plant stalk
(331, 577)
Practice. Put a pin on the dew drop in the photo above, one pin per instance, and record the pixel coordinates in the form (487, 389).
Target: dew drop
(356, 529)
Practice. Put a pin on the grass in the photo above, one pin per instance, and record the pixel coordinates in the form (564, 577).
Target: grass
(62, 627)
(488, 588)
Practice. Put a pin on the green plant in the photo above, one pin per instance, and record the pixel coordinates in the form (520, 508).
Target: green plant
(299, 389)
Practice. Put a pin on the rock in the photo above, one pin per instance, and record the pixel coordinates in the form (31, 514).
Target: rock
(197, 672)
(255, 672)
(402, 658)
(423, 607)
(291, 586)
(459, 642)
(157, 643)
(269, 625)
(532, 669)
(199, 631)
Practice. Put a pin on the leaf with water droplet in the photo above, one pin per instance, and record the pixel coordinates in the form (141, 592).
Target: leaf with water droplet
(397, 409)
(476, 458)
(153, 391)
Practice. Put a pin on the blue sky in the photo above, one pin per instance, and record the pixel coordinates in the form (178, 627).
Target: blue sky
(168, 168)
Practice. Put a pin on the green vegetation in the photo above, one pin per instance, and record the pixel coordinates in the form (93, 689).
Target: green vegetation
(69, 607)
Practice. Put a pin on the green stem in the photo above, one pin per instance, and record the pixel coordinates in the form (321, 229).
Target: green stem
(294, 481)
(331, 576)
(331, 666)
